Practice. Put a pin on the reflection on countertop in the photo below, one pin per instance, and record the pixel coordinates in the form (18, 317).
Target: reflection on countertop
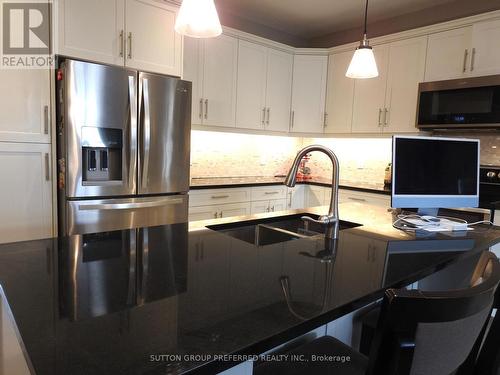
(248, 181)
(105, 303)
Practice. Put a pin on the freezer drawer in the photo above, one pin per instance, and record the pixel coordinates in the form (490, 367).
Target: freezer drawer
(91, 216)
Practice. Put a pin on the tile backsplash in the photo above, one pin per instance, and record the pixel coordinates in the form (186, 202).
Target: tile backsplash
(219, 154)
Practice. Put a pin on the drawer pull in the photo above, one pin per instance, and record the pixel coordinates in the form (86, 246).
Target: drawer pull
(271, 192)
(357, 199)
(219, 196)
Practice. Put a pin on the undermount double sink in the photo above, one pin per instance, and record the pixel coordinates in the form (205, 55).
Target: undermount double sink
(275, 230)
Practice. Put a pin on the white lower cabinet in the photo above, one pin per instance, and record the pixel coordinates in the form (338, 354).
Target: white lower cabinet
(272, 205)
(315, 196)
(296, 197)
(26, 207)
(216, 203)
(374, 199)
(219, 211)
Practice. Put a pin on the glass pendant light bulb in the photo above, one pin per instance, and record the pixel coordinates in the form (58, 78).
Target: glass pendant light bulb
(363, 64)
(198, 19)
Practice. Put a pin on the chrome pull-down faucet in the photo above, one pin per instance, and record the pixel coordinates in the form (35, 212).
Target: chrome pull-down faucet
(331, 221)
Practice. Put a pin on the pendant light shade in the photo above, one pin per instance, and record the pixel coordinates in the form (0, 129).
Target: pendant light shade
(198, 19)
(363, 64)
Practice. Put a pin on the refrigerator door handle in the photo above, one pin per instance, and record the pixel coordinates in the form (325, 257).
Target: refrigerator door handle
(131, 300)
(133, 130)
(128, 206)
(146, 131)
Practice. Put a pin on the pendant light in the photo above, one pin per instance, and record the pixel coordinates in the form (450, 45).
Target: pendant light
(363, 64)
(198, 19)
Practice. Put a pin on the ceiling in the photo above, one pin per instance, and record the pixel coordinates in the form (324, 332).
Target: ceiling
(312, 19)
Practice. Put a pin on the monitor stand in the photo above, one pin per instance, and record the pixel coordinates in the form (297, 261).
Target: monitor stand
(428, 212)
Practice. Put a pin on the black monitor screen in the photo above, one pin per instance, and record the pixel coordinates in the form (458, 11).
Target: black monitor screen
(435, 167)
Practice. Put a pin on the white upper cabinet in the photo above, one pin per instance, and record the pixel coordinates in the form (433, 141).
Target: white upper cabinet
(264, 88)
(251, 86)
(369, 96)
(91, 29)
(135, 33)
(308, 93)
(211, 65)
(26, 207)
(448, 54)
(151, 41)
(388, 103)
(26, 103)
(405, 72)
(279, 90)
(485, 54)
(464, 52)
(220, 66)
(193, 71)
(340, 94)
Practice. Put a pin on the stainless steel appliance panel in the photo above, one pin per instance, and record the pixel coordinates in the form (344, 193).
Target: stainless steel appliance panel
(162, 262)
(91, 216)
(164, 134)
(98, 276)
(100, 105)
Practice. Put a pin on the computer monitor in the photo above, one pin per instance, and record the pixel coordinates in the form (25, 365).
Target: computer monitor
(429, 173)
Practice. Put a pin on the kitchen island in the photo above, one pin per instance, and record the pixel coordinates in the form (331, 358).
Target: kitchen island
(169, 299)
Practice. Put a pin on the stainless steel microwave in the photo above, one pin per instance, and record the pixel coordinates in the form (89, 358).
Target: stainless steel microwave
(468, 103)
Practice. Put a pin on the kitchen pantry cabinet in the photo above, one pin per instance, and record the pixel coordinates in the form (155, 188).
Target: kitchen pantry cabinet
(135, 33)
(464, 52)
(263, 87)
(340, 95)
(211, 65)
(308, 94)
(26, 102)
(387, 103)
(26, 209)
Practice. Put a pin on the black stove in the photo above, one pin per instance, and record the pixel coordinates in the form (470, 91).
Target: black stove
(489, 188)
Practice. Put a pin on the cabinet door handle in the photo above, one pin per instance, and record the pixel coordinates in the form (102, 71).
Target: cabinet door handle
(386, 112)
(206, 109)
(121, 43)
(271, 192)
(379, 117)
(325, 120)
(290, 202)
(263, 120)
(356, 199)
(292, 120)
(220, 214)
(200, 109)
(216, 215)
(47, 167)
(268, 116)
(472, 59)
(466, 53)
(272, 208)
(130, 45)
(219, 196)
(46, 119)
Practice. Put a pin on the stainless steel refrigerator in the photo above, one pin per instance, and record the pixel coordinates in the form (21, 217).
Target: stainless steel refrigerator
(123, 148)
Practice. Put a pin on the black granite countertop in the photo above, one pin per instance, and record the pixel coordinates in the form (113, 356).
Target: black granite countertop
(198, 183)
(114, 303)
